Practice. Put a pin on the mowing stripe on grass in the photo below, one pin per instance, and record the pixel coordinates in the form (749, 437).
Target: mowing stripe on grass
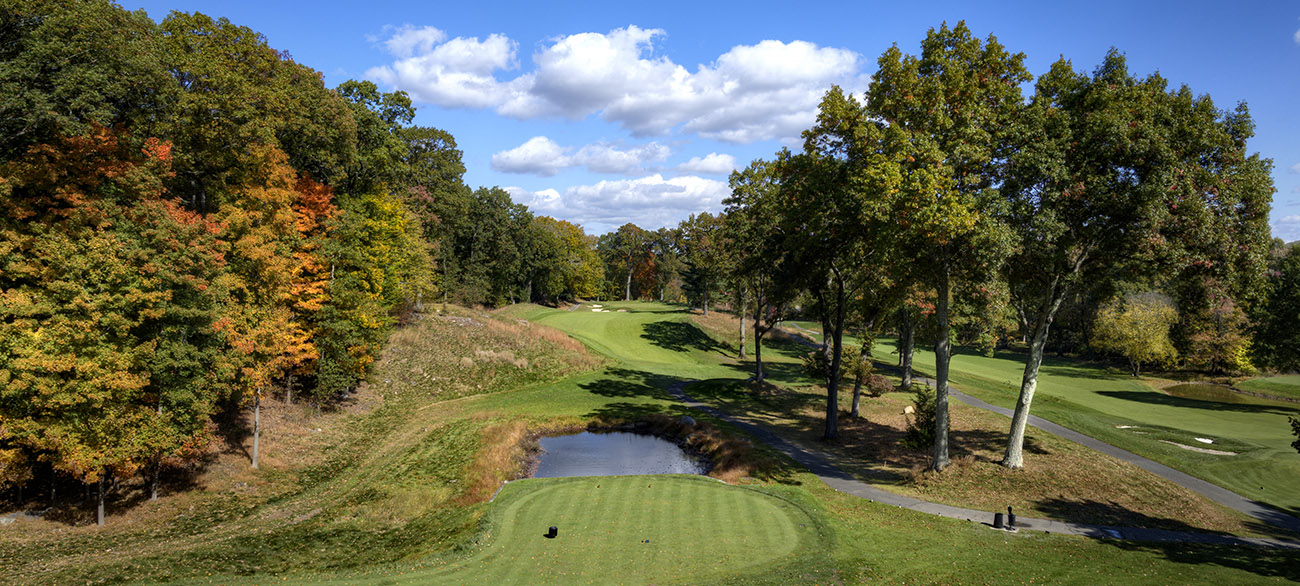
(631, 530)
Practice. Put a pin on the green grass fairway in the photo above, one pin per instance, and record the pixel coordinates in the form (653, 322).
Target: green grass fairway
(666, 529)
(659, 339)
(635, 530)
(1279, 386)
(1096, 401)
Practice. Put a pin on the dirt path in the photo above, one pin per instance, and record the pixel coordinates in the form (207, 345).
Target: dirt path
(819, 464)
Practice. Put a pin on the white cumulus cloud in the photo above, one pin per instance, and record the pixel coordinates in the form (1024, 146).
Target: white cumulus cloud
(539, 156)
(408, 40)
(651, 202)
(458, 73)
(1287, 228)
(543, 156)
(711, 164)
(750, 93)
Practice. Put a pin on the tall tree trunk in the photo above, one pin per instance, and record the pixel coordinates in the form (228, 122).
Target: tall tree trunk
(833, 332)
(857, 381)
(1014, 457)
(99, 514)
(758, 340)
(908, 348)
(627, 293)
(740, 312)
(864, 358)
(153, 490)
(257, 423)
(942, 357)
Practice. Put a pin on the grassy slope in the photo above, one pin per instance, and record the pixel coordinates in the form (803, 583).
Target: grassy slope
(1281, 386)
(1096, 401)
(392, 505)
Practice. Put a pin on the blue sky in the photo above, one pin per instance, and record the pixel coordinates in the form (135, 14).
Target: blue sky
(605, 113)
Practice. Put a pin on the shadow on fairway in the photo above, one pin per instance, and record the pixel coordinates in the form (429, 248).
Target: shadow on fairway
(1064, 367)
(1155, 398)
(1109, 513)
(679, 337)
(782, 372)
(624, 382)
(1271, 562)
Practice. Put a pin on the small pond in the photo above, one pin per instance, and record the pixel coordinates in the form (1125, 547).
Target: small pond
(1209, 392)
(612, 454)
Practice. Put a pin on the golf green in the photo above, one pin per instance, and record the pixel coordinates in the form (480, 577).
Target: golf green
(661, 529)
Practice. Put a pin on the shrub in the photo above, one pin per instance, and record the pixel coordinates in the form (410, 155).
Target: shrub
(878, 385)
(920, 425)
(814, 365)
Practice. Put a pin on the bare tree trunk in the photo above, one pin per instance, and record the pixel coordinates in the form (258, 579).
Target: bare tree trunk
(1014, 457)
(257, 423)
(99, 515)
(758, 340)
(942, 357)
(627, 294)
(153, 488)
(740, 312)
(833, 331)
(908, 348)
(857, 381)
(864, 359)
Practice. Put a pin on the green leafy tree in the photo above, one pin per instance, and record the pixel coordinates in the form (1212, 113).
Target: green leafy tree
(835, 209)
(1137, 327)
(702, 252)
(378, 268)
(666, 245)
(1277, 339)
(383, 146)
(1113, 168)
(111, 71)
(625, 249)
(952, 112)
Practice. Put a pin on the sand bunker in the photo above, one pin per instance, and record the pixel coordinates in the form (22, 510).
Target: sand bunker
(1201, 450)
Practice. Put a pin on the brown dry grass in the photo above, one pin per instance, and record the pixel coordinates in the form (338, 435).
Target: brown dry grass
(504, 456)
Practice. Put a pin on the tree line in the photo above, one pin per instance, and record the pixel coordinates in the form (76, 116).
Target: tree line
(190, 221)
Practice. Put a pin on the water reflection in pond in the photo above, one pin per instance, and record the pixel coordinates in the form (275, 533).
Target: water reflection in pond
(1209, 392)
(612, 454)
